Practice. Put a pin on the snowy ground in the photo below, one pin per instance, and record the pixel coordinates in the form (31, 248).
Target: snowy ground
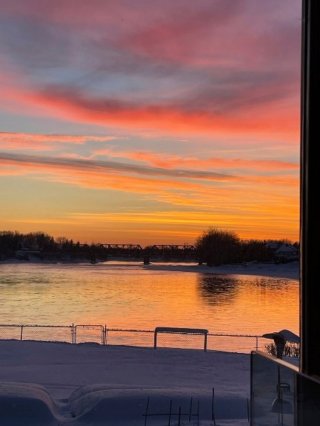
(87, 384)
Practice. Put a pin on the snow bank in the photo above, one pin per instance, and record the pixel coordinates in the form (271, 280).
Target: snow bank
(27, 404)
(96, 385)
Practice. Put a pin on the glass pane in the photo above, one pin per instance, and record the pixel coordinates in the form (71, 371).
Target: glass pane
(273, 390)
(308, 400)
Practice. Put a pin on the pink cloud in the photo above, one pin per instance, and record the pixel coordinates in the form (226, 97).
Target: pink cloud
(244, 81)
(74, 106)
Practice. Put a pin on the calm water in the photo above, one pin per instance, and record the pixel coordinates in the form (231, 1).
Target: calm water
(124, 296)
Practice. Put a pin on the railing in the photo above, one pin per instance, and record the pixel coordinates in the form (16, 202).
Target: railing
(189, 414)
(180, 330)
(281, 395)
(101, 334)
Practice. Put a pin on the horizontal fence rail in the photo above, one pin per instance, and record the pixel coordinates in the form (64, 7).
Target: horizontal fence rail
(168, 337)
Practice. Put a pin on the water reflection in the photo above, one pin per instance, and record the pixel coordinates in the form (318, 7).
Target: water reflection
(275, 283)
(216, 289)
(24, 279)
(138, 298)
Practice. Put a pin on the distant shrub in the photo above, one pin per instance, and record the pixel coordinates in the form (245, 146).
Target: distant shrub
(256, 250)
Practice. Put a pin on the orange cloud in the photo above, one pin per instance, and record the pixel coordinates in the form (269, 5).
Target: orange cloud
(118, 169)
(268, 210)
(166, 189)
(167, 226)
(191, 224)
(238, 194)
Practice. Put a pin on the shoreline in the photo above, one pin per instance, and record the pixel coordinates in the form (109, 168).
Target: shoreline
(287, 270)
(283, 270)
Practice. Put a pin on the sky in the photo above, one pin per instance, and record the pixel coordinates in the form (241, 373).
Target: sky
(150, 121)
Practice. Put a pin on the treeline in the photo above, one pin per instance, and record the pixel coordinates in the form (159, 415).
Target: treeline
(38, 245)
(216, 247)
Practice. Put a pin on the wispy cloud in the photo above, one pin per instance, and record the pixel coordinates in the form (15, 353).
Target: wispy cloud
(83, 165)
(45, 142)
(172, 161)
(193, 188)
(74, 139)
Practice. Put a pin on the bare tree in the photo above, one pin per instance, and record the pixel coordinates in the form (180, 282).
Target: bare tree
(216, 247)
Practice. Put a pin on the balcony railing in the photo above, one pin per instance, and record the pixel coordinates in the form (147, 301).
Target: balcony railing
(281, 395)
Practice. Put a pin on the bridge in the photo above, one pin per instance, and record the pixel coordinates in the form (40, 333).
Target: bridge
(173, 247)
(129, 246)
(121, 246)
(136, 251)
(97, 252)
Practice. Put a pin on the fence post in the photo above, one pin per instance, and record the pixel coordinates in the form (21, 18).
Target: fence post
(257, 343)
(205, 342)
(155, 339)
(104, 335)
(213, 415)
(170, 413)
(190, 410)
(21, 332)
(198, 414)
(73, 334)
(147, 412)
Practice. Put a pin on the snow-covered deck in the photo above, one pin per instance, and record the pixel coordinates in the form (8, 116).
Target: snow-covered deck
(89, 384)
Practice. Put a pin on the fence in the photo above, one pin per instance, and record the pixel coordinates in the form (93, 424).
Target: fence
(179, 330)
(101, 334)
(188, 414)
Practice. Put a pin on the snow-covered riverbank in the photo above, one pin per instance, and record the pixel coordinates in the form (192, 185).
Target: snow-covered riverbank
(282, 270)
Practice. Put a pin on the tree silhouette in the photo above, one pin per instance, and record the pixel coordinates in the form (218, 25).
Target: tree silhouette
(216, 247)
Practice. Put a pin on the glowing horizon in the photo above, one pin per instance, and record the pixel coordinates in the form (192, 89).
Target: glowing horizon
(150, 124)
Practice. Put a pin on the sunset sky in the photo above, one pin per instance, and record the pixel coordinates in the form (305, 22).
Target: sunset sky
(147, 121)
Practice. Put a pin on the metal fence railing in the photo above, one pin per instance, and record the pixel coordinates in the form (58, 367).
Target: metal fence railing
(181, 331)
(101, 334)
(57, 333)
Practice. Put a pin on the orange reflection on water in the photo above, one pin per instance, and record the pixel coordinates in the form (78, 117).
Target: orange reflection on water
(125, 296)
(133, 297)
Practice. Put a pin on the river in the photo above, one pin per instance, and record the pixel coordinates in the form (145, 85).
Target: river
(127, 295)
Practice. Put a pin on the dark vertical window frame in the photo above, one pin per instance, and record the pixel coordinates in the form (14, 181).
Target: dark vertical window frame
(310, 193)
